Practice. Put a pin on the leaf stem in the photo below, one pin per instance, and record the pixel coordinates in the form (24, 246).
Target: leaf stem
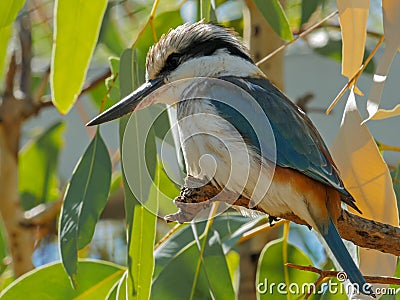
(301, 35)
(286, 229)
(149, 22)
(355, 77)
(210, 221)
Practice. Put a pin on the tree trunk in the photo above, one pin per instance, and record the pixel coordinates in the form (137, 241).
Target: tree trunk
(19, 239)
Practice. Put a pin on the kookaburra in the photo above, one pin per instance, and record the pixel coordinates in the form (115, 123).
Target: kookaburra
(262, 145)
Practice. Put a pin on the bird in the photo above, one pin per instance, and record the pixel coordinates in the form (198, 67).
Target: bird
(227, 112)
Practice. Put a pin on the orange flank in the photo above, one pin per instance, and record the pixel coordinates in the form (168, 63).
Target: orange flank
(322, 200)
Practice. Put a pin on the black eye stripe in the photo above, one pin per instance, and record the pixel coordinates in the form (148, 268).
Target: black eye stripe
(173, 61)
(202, 48)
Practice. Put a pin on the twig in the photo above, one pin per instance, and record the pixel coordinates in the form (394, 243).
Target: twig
(168, 235)
(151, 18)
(42, 87)
(149, 22)
(209, 223)
(355, 77)
(41, 215)
(25, 37)
(9, 82)
(384, 147)
(301, 35)
(330, 274)
(260, 229)
(108, 92)
(362, 232)
(95, 82)
(38, 99)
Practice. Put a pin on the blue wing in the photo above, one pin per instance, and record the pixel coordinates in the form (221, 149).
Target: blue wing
(299, 146)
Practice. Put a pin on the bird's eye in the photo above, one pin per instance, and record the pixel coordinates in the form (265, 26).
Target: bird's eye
(173, 61)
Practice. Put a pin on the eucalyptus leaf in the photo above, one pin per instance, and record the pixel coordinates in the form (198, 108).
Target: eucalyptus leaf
(95, 279)
(275, 16)
(77, 26)
(229, 230)
(212, 278)
(5, 34)
(37, 168)
(85, 199)
(9, 10)
(109, 35)
(139, 157)
(308, 7)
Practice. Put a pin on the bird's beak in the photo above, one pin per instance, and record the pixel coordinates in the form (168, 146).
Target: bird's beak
(129, 103)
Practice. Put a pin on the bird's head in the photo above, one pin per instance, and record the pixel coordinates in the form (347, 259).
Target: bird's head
(188, 51)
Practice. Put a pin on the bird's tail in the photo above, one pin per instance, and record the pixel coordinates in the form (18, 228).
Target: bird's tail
(335, 243)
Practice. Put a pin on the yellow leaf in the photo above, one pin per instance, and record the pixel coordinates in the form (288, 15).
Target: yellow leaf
(387, 113)
(77, 26)
(391, 28)
(5, 34)
(366, 176)
(353, 15)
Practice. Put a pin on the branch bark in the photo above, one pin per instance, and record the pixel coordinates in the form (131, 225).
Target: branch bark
(20, 240)
(362, 232)
(13, 111)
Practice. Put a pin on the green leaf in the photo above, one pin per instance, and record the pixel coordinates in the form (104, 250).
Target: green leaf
(141, 222)
(3, 249)
(95, 278)
(112, 82)
(122, 289)
(85, 199)
(168, 192)
(99, 92)
(207, 11)
(77, 26)
(5, 34)
(9, 10)
(233, 261)
(276, 18)
(213, 278)
(37, 168)
(109, 35)
(139, 157)
(141, 260)
(271, 271)
(228, 227)
(116, 181)
(308, 7)
(162, 22)
(118, 291)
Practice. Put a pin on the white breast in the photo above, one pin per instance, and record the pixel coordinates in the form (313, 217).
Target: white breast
(214, 150)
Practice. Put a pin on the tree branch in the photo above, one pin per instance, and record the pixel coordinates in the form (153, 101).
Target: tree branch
(197, 195)
(39, 103)
(25, 38)
(323, 274)
(9, 81)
